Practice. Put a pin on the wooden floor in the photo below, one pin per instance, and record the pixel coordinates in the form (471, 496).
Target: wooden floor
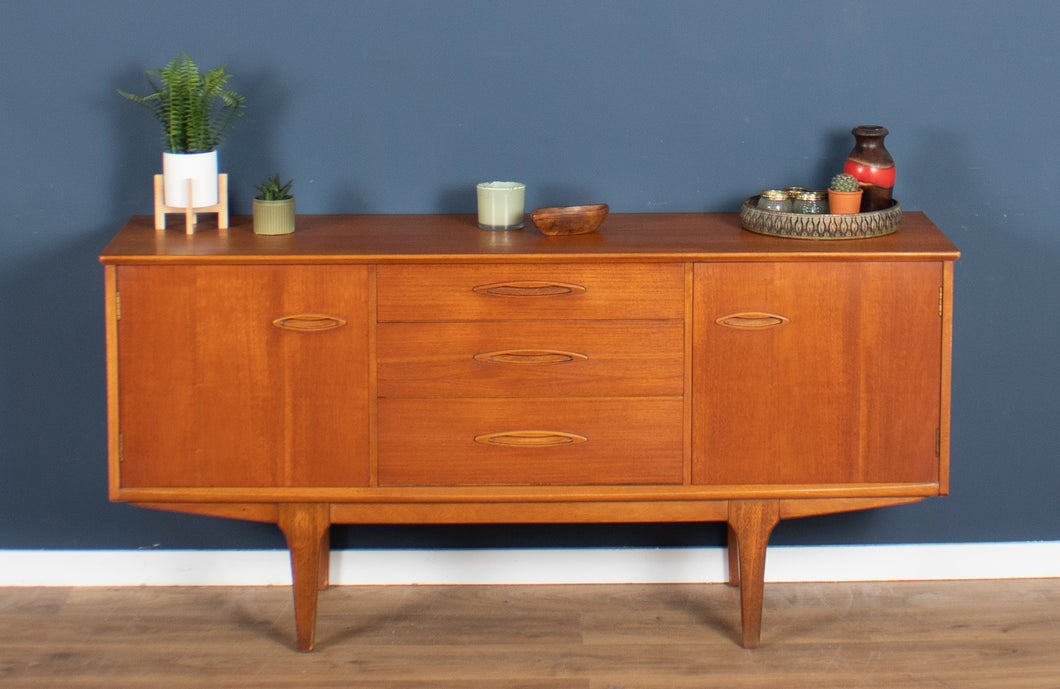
(967, 634)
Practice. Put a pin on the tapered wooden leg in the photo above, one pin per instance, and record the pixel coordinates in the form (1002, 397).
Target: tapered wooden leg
(324, 567)
(752, 521)
(733, 548)
(306, 528)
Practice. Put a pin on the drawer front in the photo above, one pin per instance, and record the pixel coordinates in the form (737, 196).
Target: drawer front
(531, 358)
(529, 292)
(530, 442)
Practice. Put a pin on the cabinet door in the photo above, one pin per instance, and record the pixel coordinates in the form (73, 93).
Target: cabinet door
(816, 373)
(216, 389)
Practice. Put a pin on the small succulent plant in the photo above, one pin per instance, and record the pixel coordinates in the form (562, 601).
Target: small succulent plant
(844, 182)
(273, 189)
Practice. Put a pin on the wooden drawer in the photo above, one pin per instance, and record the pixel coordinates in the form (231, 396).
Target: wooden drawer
(446, 442)
(531, 358)
(529, 291)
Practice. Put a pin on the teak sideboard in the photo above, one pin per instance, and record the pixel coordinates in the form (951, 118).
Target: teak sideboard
(407, 369)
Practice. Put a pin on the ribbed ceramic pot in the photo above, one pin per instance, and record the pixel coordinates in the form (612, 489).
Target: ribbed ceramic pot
(200, 168)
(274, 217)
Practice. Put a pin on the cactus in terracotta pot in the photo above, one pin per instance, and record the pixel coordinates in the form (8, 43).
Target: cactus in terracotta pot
(844, 194)
(844, 182)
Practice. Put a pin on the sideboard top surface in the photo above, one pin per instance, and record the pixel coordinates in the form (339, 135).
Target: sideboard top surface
(457, 238)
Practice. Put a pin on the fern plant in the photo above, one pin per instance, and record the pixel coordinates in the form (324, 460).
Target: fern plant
(196, 111)
(274, 190)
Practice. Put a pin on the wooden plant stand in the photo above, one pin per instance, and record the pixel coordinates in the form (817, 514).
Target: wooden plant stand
(191, 214)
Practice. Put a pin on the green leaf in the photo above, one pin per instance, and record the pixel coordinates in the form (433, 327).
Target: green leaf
(196, 112)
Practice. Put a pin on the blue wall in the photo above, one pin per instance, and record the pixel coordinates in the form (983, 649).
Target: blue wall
(648, 105)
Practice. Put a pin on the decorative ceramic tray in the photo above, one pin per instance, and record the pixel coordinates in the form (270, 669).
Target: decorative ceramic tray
(819, 226)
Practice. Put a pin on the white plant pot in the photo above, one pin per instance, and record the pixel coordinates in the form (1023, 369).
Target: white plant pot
(200, 168)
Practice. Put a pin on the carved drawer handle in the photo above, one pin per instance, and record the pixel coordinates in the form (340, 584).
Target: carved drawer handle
(530, 438)
(752, 321)
(529, 356)
(309, 322)
(529, 288)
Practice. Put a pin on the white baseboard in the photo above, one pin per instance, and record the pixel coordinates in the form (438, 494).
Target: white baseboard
(528, 566)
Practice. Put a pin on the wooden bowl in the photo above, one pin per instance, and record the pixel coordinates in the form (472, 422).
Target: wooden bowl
(568, 220)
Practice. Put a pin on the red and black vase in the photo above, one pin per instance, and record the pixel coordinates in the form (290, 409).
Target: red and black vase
(872, 165)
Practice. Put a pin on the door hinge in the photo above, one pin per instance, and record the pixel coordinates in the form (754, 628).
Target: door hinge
(117, 306)
(938, 442)
(121, 448)
(940, 301)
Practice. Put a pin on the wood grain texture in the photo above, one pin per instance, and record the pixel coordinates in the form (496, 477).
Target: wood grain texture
(604, 358)
(402, 369)
(383, 239)
(453, 292)
(750, 524)
(847, 391)
(306, 528)
(209, 385)
(431, 442)
(889, 635)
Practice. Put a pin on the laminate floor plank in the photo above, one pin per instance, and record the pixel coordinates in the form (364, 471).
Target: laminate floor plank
(968, 634)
